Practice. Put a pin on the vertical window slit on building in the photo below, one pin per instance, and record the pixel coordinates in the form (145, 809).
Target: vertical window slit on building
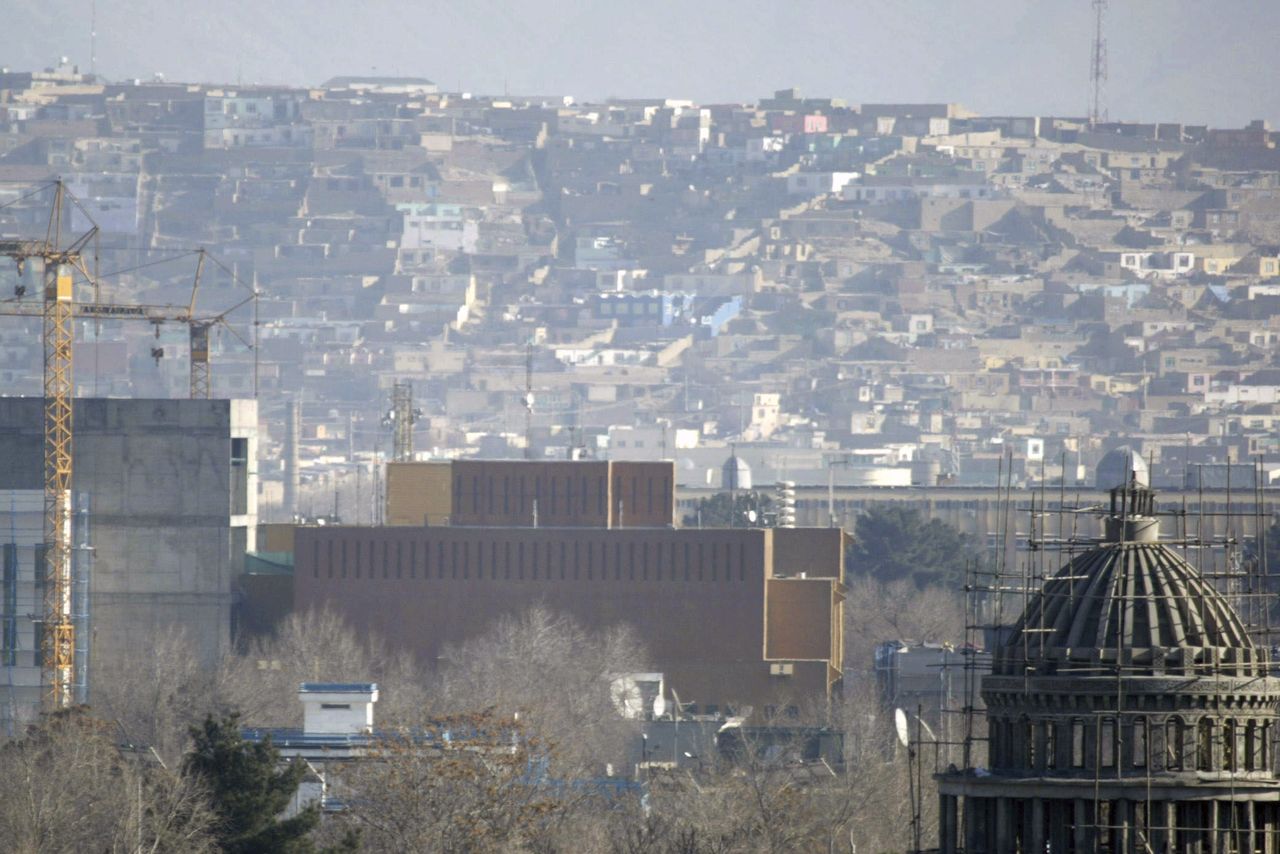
(1204, 745)
(1107, 743)
(1229, 745)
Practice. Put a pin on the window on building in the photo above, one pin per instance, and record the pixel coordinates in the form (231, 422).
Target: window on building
(1077, 744)
(1204, 745)
(1140, 743)
(9, 638)
(239, 476)
(1107, 743)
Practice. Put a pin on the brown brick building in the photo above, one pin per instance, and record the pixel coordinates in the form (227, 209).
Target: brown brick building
(733, 617)
(570, 494)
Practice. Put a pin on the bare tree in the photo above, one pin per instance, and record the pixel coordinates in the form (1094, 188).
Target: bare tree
(157, 698)
(471, 783)
(555, 675)
(67, 786)
(876, 611)
(316, 646)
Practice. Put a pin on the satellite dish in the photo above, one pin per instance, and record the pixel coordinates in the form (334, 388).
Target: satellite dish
(751, 515)
(900, 724)
(659, 706)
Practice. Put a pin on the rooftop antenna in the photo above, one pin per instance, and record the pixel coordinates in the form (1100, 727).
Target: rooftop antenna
(93, 37)
(1098, 66)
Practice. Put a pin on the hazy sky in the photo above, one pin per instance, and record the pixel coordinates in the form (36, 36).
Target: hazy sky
(1211, 61)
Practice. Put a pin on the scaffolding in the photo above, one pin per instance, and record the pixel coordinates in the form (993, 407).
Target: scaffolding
(1143, 776)
(22, 552)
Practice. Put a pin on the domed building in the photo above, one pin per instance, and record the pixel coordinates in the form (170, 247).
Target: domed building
(735, 474)
(1121, 467)
(1128, 711)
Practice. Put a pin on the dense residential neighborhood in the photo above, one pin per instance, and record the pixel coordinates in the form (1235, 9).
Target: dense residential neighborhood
(866, 294)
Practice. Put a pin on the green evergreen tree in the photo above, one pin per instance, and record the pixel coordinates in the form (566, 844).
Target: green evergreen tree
(893, 542)
(249, 788)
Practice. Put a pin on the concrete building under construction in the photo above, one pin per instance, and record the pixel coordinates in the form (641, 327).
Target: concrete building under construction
(170, 487)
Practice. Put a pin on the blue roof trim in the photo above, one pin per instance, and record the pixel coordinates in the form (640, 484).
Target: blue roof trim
(338, 687)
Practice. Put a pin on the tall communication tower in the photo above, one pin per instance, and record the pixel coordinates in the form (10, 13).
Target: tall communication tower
(1098, 66)
(402, 418)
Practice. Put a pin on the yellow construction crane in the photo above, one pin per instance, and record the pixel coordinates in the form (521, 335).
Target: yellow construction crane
(59, 309)
(58, 634)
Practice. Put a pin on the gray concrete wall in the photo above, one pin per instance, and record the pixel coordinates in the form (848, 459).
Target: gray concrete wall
(158, 474)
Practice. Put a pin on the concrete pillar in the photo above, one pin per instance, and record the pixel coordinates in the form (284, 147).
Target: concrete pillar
(976, 824)
(1059, 825)
(1121, 816)
(1004, 825)
(1158, 824)
(947, 824)
(1082, 829)
(1035, 832)
(293, 432)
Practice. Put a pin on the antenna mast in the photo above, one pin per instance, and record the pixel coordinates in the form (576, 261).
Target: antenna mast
(403, 416)
(1098, 66)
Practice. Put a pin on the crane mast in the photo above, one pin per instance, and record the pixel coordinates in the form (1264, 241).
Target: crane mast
(58, 636)
(57, 308)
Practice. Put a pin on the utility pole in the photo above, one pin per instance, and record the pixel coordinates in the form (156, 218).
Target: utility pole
(1098, 66)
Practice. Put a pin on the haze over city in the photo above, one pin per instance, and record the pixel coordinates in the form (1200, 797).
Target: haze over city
(639, 427)
(1170, 60)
